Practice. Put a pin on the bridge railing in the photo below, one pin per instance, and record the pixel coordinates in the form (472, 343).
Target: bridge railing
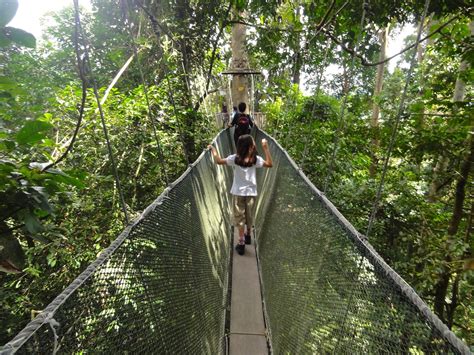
(161, 287)
(326, 290)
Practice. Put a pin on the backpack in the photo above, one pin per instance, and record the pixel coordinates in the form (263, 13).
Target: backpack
(243, 123)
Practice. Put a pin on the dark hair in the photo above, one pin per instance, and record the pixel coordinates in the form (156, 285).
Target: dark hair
(246, 151)
(242, 107)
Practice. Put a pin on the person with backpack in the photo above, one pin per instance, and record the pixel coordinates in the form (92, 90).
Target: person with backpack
(242, 122)
(244, 186)
(225, 116)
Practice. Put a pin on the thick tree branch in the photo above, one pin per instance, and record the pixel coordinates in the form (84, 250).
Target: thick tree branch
(156, 24)
(436, 114)
(444, 183)
(324, 21)
(81, 68)
(351, 51)
(326, 15)
(320, 26)
(241, 22)
(460, 189)
(213, 56)
(203, 97)
(366, 63)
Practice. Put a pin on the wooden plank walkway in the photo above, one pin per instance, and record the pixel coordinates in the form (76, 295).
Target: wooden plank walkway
(247, 327)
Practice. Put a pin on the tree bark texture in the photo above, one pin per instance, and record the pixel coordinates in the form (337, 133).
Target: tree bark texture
(437, 181)
(298, 59)
(420, 56)
(374, 122)
(460, 86)
(240, 83)
(443, 310)
(441, 287)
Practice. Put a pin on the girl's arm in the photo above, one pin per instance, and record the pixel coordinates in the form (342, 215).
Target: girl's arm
(216, 156)
(268, 163)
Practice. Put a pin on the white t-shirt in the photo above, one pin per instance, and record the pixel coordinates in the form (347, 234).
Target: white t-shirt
(245, 178)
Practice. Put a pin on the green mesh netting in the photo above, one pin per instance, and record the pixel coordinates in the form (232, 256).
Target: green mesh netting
(162, 286)
(325, 289)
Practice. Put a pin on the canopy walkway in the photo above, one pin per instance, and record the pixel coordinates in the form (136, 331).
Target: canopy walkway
(164, 285)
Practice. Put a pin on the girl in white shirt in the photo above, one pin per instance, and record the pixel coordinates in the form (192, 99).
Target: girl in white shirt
(244, 186)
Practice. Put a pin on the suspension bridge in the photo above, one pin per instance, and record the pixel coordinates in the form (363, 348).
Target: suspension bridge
(166, 284)
(171, 283)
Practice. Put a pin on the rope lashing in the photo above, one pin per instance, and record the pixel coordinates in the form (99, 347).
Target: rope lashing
(53, 324)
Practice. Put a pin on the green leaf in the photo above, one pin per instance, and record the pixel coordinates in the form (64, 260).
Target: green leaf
(8, 10)
(47, 117)
(40, 195)
(51, 259)
(32, 131)
(20, 37)
(240, 4)
(6, 145)
(33, 271)
(69, 180)
(48, 143)
(32, 223)
(6, 166)
(7, 83)
(9, 86)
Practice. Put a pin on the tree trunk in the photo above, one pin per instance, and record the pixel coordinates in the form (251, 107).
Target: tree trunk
(420, 50)
(460, 187)
(240, 83)
(345, 79)
(436, 182)
(458, 96)
(460, 87)
(185, 71)
(298, 59)
(420, 56)
(444, 311)
(297, 68)
(374, 122)
(441, 290)
(441, 287)
(454, 301)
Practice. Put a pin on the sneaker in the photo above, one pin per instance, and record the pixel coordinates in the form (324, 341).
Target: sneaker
(248, 239)
(240, 249)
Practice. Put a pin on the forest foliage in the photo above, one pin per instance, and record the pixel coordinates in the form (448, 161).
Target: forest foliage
(55, 219)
